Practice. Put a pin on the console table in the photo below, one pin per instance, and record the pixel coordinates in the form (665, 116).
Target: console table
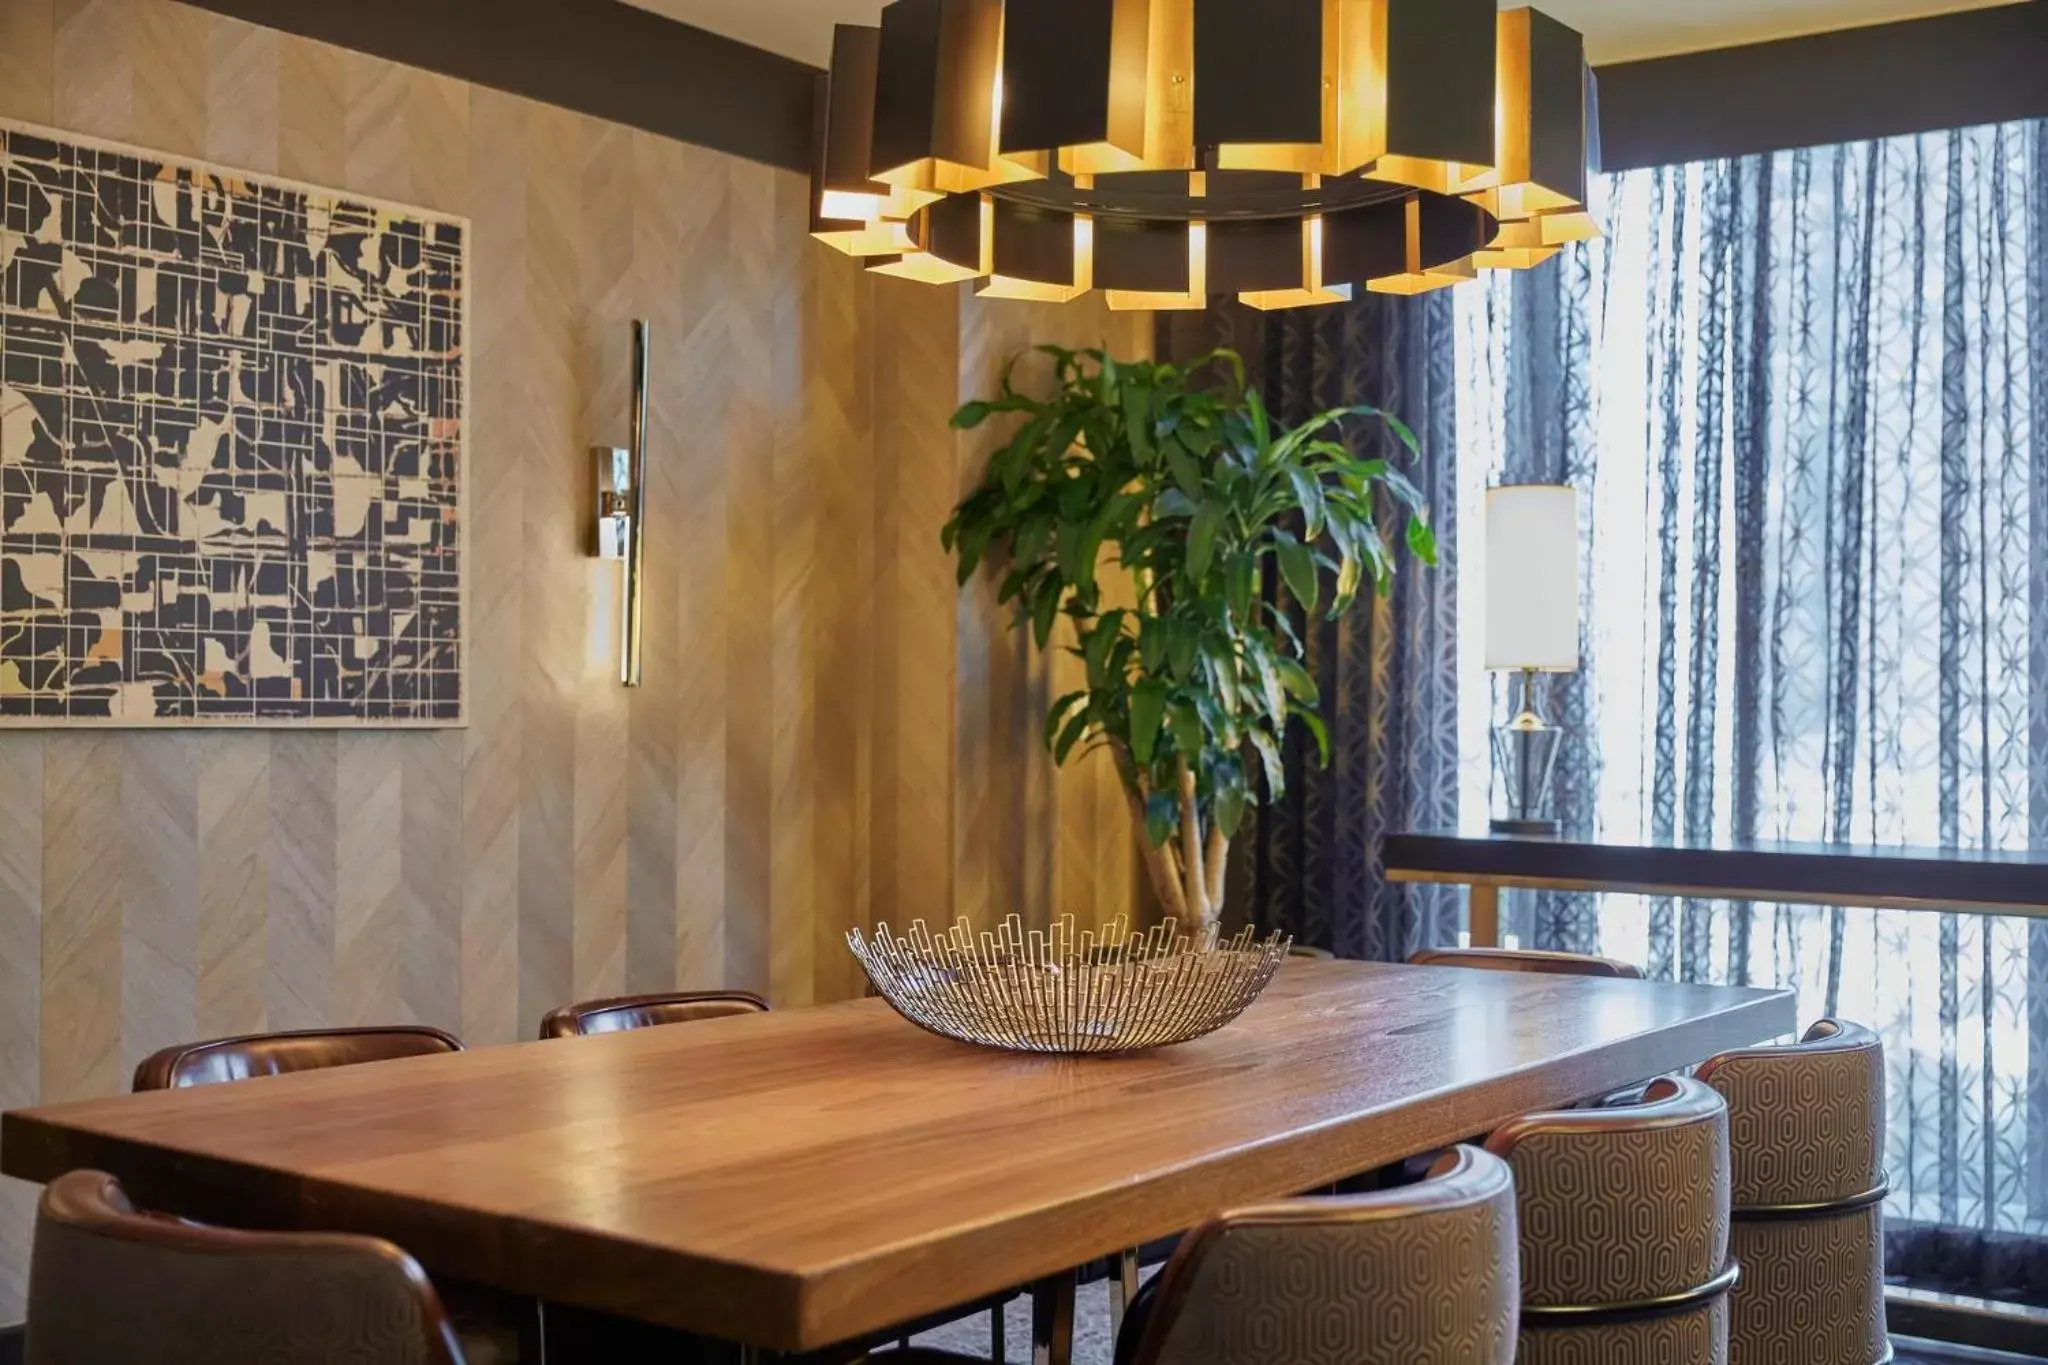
(1970, 881)
(1964, 881)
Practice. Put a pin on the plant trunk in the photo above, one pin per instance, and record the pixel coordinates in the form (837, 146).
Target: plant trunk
(1166, 883)
(1200, 916)
(1186, 874)
(1216, 857)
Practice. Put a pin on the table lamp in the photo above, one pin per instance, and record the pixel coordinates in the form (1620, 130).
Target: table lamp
(1532, 626)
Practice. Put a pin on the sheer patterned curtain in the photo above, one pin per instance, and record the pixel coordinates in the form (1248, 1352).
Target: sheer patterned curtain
(1805, 400)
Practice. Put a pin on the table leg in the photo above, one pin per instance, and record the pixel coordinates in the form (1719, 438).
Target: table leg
(1052, 1320)
(1482, 914)
(1123, 1287)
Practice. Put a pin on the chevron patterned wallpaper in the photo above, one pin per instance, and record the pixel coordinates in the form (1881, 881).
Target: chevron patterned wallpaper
(829, 734)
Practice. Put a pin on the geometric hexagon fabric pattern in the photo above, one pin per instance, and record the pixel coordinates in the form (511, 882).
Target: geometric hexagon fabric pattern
(1698, 1337)
(1618, 1206)
(231, 444)
(1806, 1124)
(1433, 1283)
(1811, 1293)
(1622, 1215)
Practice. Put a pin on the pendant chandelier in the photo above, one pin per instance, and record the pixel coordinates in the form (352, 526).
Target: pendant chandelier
(1165, 150)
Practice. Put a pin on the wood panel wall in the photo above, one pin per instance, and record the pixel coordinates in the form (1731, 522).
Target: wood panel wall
(830, 734)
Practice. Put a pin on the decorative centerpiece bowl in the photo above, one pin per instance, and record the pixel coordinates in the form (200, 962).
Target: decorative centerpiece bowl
(1056, 990)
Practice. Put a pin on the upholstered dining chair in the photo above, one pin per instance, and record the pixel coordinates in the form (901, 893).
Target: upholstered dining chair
(1624, 1224)
(491, 1326)
(107, 1283)
(1424, 1272)
(1806, 1129)
(274, 1054)
(1525, 960)
(623, 1012)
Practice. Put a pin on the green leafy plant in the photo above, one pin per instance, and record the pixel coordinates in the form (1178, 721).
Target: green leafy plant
(1183, 495)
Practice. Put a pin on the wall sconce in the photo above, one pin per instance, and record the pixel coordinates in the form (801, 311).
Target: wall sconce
(622, 512)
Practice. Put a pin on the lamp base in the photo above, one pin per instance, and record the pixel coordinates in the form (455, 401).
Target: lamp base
(1542, 829)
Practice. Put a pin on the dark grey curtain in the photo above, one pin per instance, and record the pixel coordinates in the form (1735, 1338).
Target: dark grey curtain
(1805, 400)
(1309, 863)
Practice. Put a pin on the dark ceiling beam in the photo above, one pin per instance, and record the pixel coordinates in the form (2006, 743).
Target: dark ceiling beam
(597, 57)
(1954, 71)
(620, 63)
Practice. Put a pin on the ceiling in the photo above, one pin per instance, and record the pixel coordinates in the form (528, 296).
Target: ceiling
(1616, 30)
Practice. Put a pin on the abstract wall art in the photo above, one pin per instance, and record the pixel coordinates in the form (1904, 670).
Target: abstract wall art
(231, 447)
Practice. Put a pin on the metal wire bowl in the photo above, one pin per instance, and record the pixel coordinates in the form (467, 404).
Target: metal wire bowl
(1061, 991)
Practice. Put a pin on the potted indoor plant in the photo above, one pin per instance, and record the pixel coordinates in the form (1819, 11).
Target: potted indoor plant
(1185, 488)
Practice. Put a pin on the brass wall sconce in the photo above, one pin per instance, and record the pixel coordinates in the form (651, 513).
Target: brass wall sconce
(622, 512)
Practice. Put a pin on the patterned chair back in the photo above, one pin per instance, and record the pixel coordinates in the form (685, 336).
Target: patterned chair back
(1624, 1224)
(1422, 1273)
(109, 1284)
(624, 1012)
(1807, 1132)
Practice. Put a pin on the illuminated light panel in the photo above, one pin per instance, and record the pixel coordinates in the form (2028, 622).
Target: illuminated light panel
(1273, 300)
(1297, 158)
(1527, 201)
(1197, 296)
(934, 179)
(925, 268)
(1026, 291)
(1517, 246)
(1572, 225)
(1355, 133)
(1540, 91)
(1099, 158)
(845, 206)
(880, 239)
(1425, 283)
(952, 177)
(1438, 177)
(1354, 100)
(850, 206)
(1418, 278)
(1170, 87)
(1313, 291)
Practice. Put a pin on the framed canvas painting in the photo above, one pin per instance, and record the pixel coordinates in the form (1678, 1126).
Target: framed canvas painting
(232, 446)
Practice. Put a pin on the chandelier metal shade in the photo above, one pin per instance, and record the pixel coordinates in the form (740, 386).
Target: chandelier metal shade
(1285, 151)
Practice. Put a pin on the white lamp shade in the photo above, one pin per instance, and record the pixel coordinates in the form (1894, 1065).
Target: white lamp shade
(1532, 578)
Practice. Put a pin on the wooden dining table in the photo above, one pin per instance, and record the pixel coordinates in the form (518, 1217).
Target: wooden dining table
(801, 1178)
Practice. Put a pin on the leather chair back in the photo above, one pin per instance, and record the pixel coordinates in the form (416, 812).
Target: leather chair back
(109, 1284)
(1525, 960)
(646, 1011)
(1422, 1273)
(1807, 1132)
(1624, 1223)
(274, 1054)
